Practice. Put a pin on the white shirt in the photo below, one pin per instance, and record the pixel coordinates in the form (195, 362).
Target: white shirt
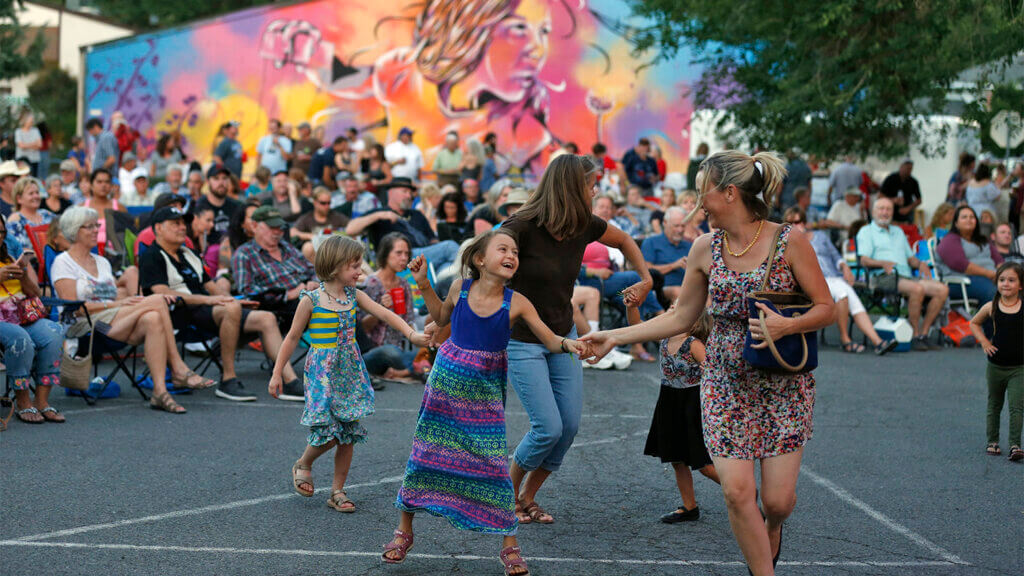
(99, 288)
(842, 213)
(413, 159)
(124, 179)
(270, 156)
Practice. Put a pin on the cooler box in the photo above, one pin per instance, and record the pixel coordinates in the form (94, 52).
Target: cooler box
(889, 327)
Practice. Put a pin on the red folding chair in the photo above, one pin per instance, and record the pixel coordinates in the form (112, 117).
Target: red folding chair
(37, 236)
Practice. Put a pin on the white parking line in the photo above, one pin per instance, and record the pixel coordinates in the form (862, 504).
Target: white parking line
(462, 557)
(882, 518)
(296, 406)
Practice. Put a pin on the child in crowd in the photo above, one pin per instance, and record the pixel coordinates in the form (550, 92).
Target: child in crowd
(676, 434)
(1005, 351)
(458, 468)
(338, 390)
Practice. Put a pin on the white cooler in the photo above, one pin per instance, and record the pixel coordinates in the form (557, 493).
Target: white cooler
(898, 328)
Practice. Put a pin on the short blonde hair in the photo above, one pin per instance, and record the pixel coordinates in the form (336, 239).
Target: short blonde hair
(335, 252)
(757, 187)
(22, 185)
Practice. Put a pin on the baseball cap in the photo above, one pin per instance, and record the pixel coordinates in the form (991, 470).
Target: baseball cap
(168, 199)
(853, 191)
(269, 216)
(215, 170)
(401, 182)
(128, 156)
(166, 213)
(405, 130)
(140, 172)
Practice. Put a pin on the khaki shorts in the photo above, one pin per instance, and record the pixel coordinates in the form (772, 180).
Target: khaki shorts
(81, 327)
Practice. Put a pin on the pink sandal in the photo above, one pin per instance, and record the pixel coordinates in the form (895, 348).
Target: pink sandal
(401, 547)
(513, 563)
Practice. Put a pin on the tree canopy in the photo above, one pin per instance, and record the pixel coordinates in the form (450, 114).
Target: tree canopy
(833, 77)
(17, 57)
(149, 14)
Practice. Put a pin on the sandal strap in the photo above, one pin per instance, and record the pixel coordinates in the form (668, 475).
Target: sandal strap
(339, 497)
(512, 563)
(49, 409)
(403, 546)
(29, 410)
(299, 466)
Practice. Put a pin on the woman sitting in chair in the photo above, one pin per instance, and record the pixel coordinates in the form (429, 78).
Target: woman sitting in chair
(28, 211)
(78, 274)
(966, 251)
(28, 347)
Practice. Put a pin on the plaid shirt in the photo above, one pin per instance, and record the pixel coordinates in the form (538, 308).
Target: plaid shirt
(255, 271)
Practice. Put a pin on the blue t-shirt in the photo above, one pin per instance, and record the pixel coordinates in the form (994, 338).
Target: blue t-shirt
(639, 171)
(321, 158)
(658, 250)
(230, 151)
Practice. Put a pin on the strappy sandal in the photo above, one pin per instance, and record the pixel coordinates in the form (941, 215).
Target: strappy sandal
(298, 482)
(1016, 454)
(401, 543)
(521, 514)
(537, 513)
(511, 564)
(163, 401)
(182, 381)
(57, 417)
(338, 500)
(993, 449)
(852, 347)
(30, 410)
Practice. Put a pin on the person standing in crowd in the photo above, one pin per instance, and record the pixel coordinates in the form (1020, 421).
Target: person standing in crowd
(77, 155)
(640, 168)
(274, 150)
(10, 173)
(473, 158)
(167, 153)
(882, 245)
(323, 167)
(404, 156)
(216, 198)
(228, 153)
(748, 414)
(981, 193)
(317, 221)
(840, 281)
(904, 191)
(667, 253)
(338, 392)
(965, 250)
(553, 229)
(305, 147)
(28, 210)
(957, 188)
(843, 177)
(448, 161)
(1005, 352)
(106, 154)
(129, 162)
(694, 167)
(127, 137)
(28, 141)
(169, 268)
(489, 170)
(378, 171)
(798, 175)
(30, 346)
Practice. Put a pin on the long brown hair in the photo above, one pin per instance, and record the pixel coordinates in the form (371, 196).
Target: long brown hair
(561, 203)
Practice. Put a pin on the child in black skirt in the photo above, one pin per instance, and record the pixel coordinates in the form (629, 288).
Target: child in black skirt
(676, 435)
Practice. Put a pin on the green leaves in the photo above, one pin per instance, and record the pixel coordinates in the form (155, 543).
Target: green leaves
(17, 56)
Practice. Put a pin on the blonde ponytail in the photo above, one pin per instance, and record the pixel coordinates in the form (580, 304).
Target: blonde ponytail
(759, 178)
(773, 172)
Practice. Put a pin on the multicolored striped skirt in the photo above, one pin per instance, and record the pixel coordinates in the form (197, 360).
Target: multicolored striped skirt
(458, 468)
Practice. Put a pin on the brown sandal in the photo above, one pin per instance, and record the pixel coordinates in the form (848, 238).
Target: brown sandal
(521, 514)
(401, 543)
(182, 381)
(537, 513)
(993, 449)
(163, 401)
(338, 500)
(298, 482)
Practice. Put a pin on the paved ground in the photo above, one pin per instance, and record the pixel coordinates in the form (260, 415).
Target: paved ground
(895, 482)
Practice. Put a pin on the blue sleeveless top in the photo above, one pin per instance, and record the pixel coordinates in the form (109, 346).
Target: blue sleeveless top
(472, 332)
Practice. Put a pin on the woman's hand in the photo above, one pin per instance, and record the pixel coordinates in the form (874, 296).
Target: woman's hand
(420, 339)
(575, 346)
(599, 344)
(418, 267)
(777, 325)
(11, 272)
(275, 385)
(637, 293)
(386, 301)
(989, 349)
(430, 331)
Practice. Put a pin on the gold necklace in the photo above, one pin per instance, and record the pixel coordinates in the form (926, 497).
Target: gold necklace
(749, 246)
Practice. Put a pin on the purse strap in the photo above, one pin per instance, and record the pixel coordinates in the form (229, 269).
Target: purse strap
(771, 257)
(775, 352)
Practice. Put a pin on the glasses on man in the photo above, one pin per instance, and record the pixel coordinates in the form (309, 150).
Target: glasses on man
(324, 202)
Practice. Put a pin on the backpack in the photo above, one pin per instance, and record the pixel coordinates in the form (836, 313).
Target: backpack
(958, 329)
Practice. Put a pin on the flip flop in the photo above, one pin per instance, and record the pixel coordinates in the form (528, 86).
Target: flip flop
(29, 410)
(57, 417)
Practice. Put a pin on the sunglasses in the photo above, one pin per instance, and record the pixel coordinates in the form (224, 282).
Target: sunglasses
(795, 221)
(323, 203)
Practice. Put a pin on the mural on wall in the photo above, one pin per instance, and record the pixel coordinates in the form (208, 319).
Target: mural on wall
(538, 73)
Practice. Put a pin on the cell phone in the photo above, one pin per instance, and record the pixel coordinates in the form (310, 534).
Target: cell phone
(26, 257)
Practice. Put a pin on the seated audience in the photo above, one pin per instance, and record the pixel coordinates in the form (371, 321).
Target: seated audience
(1002, 239)
(666, 252)
(137, 193)
(29, 347)
(427, 203)
(965, 250)
(451, 224)
(260, 184)
(845, 212)
(28, 210)
(697, 224)
(840, 284)
(78, 274)
(56, 200)
(313, 223)
(881, 244)
(357, 200)
(285, 197)
(218, 198)
(904, 191)
(392, 258)
(941, 220)
(146, 235)
(485, 216)
(169, 268)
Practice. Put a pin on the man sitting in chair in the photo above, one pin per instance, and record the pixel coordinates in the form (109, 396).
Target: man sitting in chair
(883, 245)
(168, 267)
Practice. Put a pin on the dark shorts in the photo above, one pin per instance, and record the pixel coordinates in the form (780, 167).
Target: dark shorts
(201, 317)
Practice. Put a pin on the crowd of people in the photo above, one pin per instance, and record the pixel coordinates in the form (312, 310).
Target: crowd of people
(346, 247)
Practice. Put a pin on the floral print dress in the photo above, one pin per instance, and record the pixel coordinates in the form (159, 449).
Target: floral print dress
(338, 390)
(748, 413)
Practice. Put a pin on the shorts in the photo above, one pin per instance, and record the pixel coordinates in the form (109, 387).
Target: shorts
(201, 317)
(840, 289)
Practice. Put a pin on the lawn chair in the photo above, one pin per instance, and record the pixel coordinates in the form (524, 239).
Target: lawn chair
(37, 236)
(957, 283)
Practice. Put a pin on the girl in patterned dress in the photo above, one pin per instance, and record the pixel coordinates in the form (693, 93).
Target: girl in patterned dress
(338, 391)
(458, 468)
(747, 414)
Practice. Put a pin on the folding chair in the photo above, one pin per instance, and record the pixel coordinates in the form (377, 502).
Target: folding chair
(952, 280)
(37, 236)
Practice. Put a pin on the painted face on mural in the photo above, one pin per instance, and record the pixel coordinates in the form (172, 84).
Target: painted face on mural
(517, 51)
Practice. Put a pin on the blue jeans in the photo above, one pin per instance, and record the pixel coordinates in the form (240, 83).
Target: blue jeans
(37, 346)
(387, 356)
(618, 282)
(440, 255)
(982, 289)
(550, 387)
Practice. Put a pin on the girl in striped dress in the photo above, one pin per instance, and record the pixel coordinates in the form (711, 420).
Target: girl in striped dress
(458, 468)
(338, 391)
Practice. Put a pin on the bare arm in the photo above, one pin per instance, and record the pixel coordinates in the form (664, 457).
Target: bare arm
(667, 268)
(979, 332)
(390, 318)
(523, 310)
(284, 355)
(804, 264)
(357, 226)
(618, 239)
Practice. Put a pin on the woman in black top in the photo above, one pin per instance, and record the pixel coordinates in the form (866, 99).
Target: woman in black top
(451, 218)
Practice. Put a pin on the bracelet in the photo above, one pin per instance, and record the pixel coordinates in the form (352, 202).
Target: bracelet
(562, 345)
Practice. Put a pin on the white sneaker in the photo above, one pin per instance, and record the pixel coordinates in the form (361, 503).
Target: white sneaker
(602, 364)
(619, 360)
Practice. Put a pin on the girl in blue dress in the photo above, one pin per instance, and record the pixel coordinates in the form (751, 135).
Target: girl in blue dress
(338, 391)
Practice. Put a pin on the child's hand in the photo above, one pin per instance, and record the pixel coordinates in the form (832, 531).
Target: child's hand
(274, 388)
(989, 349)
(419, 268)
(580, 348)
(430, 331)
(419, 339)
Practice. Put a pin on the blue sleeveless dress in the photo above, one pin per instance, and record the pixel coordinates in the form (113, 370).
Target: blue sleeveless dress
(458, 468)
(338, 389)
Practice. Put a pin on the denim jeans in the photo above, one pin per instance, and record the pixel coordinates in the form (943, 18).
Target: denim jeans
(35, 347)
(387, 356)
(982, 289)
(618, 282)
(441, 255)
(550, 387)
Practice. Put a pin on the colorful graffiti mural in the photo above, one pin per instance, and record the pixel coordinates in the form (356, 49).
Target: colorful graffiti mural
(536, 72)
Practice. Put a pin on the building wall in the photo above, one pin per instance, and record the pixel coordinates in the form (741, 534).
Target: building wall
(548, 71)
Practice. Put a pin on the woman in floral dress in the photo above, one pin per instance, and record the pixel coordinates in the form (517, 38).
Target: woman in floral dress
(748, 415)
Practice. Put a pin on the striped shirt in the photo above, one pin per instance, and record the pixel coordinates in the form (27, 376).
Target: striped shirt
(106, 146)
(256, 271)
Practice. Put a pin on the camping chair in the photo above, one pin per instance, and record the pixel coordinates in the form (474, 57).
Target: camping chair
(37, 236)
(118, 250)
(952, 280)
